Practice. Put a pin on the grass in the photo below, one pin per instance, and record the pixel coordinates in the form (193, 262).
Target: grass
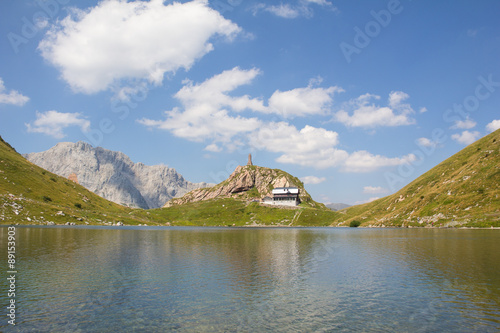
(464, 190)
(230, 211)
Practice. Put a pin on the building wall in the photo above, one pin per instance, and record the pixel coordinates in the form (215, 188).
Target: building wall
(291, 203)
(285, 203)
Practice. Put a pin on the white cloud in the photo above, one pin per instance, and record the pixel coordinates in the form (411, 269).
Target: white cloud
(464, 124)
(13, 97)
(302, 101)
(366, 201)
(363, 161)
(424, 142)
(315, 147)
(207, 107)
(283, 10)
(466, 137)
(319, 2)
(291, 11)
(118, 40)
(309, 146)
(210, 113)
(396, 98)
(213, 148)
(53, 123)
(374, 190)
(312, 180)
(493, 126)
(423, 109)
(369, 115)
(208, 110)
(283, 137)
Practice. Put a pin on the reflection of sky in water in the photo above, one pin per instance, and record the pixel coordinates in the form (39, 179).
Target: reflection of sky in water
(195, 279)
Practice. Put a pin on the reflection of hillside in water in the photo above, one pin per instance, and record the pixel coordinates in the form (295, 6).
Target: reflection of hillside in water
(460, 267)
(243, 259)
(261, 278)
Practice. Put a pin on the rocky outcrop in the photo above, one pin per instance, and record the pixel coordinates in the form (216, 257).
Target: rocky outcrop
(246, 182)
(113, 176)
(73, 177)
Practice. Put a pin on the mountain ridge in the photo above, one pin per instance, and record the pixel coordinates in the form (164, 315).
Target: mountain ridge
(113, 175)
(32, 195)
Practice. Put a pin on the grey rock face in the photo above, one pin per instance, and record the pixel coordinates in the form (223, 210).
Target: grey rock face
(113, 176)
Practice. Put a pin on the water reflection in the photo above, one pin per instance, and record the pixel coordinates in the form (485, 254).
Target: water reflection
(268, 279)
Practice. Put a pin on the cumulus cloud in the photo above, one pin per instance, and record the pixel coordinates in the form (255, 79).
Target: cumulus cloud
(53, 123)
(312, 180)
(117, 40)
(315, 147)
(464, 124)
(213, 148)
(12, 97)
(363, 161)
(319, 2)
(366, 114)
(291, 11)
(283, 10)
(302, 101)
(425, 142)
(466, 137)
(374, 190)
(208, 110)
(309, 146)
(493, 126)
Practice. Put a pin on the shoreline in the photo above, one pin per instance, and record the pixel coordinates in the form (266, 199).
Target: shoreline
(239, 227)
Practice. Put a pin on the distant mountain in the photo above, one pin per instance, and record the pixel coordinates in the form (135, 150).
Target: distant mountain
(464, 190)
(32, 195)
(113, 176)
(337, 206)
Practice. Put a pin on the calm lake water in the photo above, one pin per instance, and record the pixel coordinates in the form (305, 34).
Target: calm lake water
(126, 279)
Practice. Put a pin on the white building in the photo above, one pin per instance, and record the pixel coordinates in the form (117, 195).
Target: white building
(284, 196)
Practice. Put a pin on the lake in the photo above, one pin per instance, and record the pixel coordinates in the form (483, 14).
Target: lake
(160, 279)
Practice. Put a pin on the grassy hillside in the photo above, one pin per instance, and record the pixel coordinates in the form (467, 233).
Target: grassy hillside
(464, 190)
(230, 211)
(32, 195)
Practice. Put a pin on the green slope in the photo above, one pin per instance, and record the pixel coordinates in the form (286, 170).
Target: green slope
(464, 190)
(32, 195)
(231, 211)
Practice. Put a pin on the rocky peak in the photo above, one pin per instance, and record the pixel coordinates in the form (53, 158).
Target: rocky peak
(246, 182)
(113, 175)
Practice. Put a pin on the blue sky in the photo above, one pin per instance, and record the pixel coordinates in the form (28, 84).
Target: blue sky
(356, 98)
